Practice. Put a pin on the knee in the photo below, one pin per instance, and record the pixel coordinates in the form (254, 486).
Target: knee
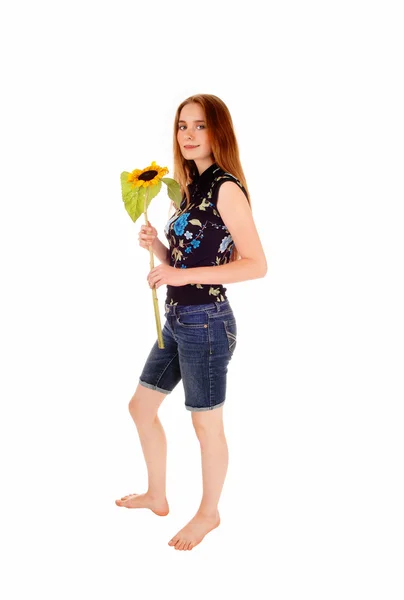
(133, 407)
(206, 432)
(140, 412)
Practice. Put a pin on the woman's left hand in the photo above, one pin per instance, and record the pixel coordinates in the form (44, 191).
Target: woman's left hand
(165, 275)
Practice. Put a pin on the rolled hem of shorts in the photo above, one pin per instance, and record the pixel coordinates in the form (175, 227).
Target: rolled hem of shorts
(204, 407)
(154, 387)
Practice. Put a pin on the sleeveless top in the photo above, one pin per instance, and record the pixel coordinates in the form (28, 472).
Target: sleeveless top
(198, 237)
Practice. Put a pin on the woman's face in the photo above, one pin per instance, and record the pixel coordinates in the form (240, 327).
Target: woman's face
(192, 131)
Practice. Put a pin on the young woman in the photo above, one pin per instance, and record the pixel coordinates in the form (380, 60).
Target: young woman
(212, 241)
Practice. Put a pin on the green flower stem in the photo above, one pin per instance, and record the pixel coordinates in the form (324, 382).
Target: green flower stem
(154, 291)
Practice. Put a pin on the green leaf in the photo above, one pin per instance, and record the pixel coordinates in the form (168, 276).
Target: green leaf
(173, 190)
(134, 197)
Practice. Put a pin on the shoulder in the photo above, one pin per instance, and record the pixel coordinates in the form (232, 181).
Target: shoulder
(221, 175)
(228, 184)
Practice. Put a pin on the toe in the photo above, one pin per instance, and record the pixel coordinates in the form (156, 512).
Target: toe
(128, 496)
(173, 541)
(182, 545)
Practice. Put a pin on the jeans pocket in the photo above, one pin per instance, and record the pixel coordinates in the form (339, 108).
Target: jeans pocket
(230, 326)
(193, 319)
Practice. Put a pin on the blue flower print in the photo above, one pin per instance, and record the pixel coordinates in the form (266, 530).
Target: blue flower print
(225, 242)
(181, 223)
(193, 244)
(188, 235)
(183, 267)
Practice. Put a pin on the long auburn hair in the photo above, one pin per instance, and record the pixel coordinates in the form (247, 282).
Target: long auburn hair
(223, 142)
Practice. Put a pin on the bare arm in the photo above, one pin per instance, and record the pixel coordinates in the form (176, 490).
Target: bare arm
(161, 251)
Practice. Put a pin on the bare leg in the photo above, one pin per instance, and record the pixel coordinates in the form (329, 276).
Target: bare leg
(214, 453)
(143, 408)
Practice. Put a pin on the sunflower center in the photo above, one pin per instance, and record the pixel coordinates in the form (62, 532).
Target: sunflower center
(148, 175)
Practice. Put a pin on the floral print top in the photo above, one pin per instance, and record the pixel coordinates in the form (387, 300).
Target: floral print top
(198, 237)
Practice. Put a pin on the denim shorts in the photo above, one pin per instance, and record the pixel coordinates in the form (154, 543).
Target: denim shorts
(199, 342)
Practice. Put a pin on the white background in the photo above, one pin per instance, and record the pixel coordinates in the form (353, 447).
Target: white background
(312, 504)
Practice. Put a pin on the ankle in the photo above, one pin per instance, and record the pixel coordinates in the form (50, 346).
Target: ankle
(208, 513)
(156, 495)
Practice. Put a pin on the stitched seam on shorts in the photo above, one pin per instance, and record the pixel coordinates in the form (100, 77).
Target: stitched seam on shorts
(197, 408)
(222, 314)
(210, 380)
(210, 310)
(196, 325)
(165, 368)
(153, 387)
(230, 337)
(192, 312)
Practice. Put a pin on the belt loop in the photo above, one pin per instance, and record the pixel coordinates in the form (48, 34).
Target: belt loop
(217, 306)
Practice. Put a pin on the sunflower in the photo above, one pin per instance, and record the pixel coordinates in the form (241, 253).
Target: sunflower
(147, 177)
(138, 189)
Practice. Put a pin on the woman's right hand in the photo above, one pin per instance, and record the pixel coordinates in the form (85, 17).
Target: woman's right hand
(147, 235)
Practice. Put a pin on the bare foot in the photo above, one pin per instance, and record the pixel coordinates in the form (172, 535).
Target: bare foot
(194, 532)
(159, 507)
